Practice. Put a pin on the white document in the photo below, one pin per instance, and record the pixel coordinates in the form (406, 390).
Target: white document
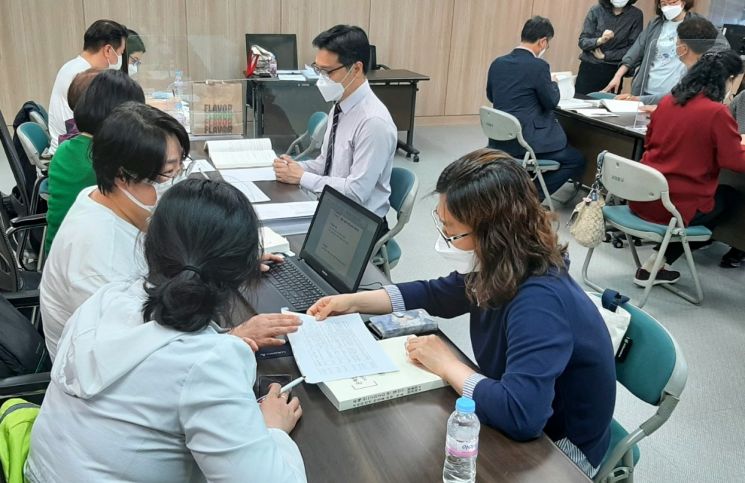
(198, 166)
(291, 77)
(337, 348)
(279, 211)
(565, 80)
(249, 174)
(252, 192)
(569, 104)
(273, 242)
(620, 107)
(241, 153)
(596, 113)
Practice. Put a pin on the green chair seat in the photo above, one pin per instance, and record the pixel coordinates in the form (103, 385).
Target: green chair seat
(394, 252)
(621, 215)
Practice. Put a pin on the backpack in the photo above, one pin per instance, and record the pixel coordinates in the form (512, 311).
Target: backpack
(22, 348)
(17, 417)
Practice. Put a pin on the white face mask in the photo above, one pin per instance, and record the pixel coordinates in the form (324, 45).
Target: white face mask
(331, 90)
(118, 64)
(619, 3)
(132, 69)
(148, 208)
(671, 11)
(462, 261)
(160, 190)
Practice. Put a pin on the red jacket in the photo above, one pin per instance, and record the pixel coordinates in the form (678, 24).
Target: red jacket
(689, 145)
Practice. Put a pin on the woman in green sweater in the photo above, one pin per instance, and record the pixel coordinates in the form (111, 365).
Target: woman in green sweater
(71, 170)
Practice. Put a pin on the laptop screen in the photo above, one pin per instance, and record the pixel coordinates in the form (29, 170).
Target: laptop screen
(340, 239)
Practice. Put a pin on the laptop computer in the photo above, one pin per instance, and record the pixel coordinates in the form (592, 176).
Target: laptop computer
(335, 253)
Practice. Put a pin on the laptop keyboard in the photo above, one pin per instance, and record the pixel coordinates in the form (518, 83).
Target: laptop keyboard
(294, 285)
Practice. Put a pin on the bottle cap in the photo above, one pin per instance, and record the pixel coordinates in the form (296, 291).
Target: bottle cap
(465, 405)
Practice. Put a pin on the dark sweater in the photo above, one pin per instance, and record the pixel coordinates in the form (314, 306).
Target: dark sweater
(627, 26)
(547, 355)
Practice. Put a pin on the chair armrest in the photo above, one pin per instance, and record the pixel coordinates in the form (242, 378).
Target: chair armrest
(24, 385)
(30, 221)
(23, 298)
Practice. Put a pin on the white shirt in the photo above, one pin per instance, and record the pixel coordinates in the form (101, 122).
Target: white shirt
(92, 248)
(59, 110)
(366, 141)
(666, 69)
(131, 400)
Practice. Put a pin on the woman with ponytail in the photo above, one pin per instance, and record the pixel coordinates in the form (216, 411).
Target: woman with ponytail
(691, 137)
(145, 386)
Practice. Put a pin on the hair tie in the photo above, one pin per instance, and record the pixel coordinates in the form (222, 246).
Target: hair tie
(192, 269)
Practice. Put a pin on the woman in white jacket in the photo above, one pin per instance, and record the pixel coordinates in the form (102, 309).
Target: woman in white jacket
(145, 387)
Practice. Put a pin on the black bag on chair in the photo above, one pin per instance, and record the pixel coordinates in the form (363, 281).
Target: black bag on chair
(22, 349)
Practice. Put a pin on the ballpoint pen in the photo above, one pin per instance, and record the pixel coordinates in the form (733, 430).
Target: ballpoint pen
(285, 388)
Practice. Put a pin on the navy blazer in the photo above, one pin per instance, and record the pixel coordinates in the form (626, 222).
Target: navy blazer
(520, 83)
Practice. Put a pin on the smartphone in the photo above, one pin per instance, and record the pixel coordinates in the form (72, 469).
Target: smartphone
(264, 381)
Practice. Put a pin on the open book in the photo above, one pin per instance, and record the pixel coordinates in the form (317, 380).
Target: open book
(360, 391)
(241, 153)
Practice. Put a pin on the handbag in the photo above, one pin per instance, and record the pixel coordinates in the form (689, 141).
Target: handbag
(261, 63)
(587, 224)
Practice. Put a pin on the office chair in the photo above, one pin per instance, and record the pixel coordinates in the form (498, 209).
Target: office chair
(313, 137)
(501, 126)
(404, 187)
(34, 140)
(633, 181)
(655, 371)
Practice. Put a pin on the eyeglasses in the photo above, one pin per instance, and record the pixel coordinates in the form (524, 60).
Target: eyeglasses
(325, 72)
(440, 230)
(180, 172)
(135, 62)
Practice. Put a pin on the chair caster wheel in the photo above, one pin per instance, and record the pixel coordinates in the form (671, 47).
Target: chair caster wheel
(637, 242)
(607, 238)
(618, 243)
(416, 158)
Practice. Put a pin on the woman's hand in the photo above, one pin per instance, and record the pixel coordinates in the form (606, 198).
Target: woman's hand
(271, 258)
(613, 85)
(431, 352)
(598, 54)
(333, 305)
(606, 37)
(278, 412)
(265, 329)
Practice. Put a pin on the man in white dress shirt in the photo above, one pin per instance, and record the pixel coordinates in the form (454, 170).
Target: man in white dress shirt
(103, 46)
(360, 142)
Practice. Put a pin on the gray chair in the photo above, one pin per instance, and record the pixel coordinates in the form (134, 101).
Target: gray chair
(633, 181)
(312, 138)
(404, 187)
(655, 371)
(502, 126)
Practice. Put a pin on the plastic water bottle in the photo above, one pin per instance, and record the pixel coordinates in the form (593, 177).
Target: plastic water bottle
(177, 87)
(462, 443)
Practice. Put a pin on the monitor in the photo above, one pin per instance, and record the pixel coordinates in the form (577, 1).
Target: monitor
(340, 240)
(283, 46)
(735, 35)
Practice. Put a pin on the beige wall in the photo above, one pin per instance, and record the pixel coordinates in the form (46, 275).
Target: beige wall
(452, 41)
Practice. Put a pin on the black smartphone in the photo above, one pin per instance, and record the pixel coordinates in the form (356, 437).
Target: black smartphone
(264, 381)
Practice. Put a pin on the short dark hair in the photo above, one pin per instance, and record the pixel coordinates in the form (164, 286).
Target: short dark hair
(609, 6)
(349, 42)
(698, 33)
(102, 33)
(687, 6)
(134, 42)
(201, 247)
(537, 28)
(79, 85)
(132, 144)
(709, 77)
(106, 91)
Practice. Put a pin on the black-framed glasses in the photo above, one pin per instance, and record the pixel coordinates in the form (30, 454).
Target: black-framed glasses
(325, 72)
(439, 227)
(180, 171)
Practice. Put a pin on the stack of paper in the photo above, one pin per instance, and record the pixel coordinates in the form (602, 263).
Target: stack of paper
(337, 348)
(363, 390)
(273, 242)
(621, 107)
(287, 218)
(241, 180)
(241, 153)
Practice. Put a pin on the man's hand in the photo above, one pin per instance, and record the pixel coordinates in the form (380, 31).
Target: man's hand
(265, 328)
(287, 170)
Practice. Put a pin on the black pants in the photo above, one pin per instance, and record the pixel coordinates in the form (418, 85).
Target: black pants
(572, 167)
(594, 77)
(724, 198)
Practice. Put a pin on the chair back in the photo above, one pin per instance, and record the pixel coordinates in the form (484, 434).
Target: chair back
(502, 126)
(34, 140)
(631, 180)
(654, 366)
(317, 128)
(404, 188)
(39, 119)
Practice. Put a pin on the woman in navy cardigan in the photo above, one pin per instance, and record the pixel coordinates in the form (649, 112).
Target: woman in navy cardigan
(544, 354)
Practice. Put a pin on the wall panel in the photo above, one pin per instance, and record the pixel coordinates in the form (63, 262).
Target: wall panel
(416, 36)
(308, 18)
(567, 17)
(482, 31)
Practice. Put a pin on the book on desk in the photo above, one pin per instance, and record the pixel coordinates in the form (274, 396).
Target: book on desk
(241, 153)
(361, 391)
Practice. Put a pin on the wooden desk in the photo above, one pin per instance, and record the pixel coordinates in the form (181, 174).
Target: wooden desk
(593, 135)
(281, 108)
(401, 440)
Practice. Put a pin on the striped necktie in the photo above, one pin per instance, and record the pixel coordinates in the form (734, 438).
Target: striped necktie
(332, 140)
